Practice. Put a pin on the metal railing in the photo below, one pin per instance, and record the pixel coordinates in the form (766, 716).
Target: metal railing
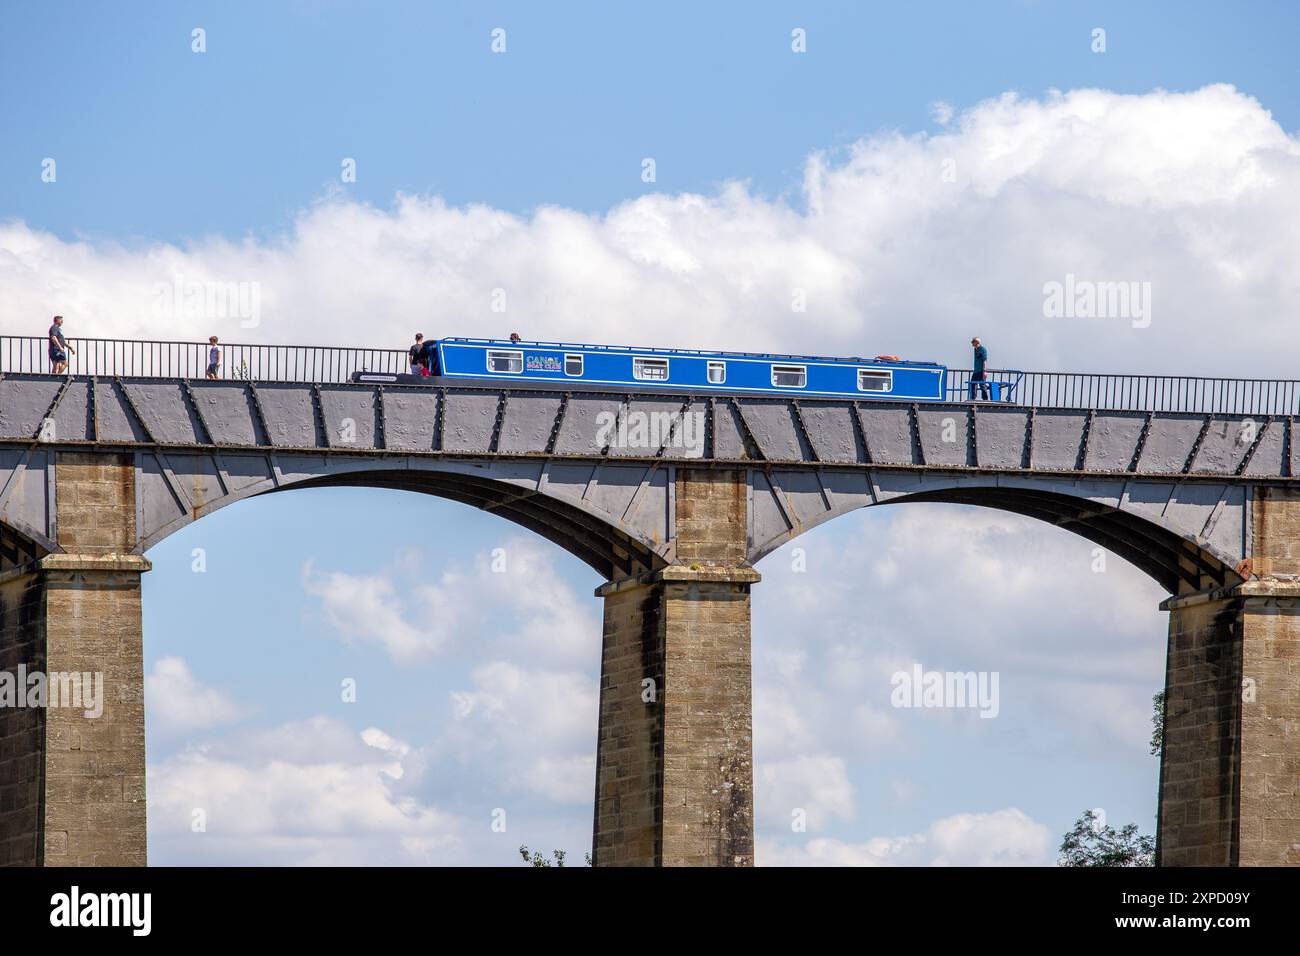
(1147, 393)
(305, 363)
(258, 363)
(997, 385)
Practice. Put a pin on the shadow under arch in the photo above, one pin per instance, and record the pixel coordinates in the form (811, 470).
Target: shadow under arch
(17, 549)
(1163, 546)
(610, 550)
(1177, 564)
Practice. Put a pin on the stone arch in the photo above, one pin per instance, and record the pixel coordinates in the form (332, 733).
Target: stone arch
(613, 518)
(1175, 562)
(1187, 536)
(607, 548)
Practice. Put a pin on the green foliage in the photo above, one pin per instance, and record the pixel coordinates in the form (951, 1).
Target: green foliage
(1090, 844)
(536, 859)
(1158, 723)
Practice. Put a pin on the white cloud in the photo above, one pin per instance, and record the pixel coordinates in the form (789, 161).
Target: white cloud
(547, 614)
(179, 703)
(368, 607)
(330, 799)
(522, 726)
(514, 598)
(1002, 838)
(1078, 654)
(967, 589)
(569, 780)
(531, 730)
(782, 721)
(816, 785)
(1197, 192)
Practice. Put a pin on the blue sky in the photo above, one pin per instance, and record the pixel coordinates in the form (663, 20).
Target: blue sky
(522, 171)
(157, 143)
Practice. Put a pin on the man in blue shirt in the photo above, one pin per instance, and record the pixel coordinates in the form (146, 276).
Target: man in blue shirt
(978, 377)
(59, 347)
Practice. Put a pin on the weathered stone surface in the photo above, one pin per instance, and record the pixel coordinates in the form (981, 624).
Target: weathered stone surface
(96, 502)
(95, 765)
(1230, 772)
(629, 750)
(708, 774)
(674, 764)
(22, 730)
(72, 774)
(1200, 766)
(712, 511)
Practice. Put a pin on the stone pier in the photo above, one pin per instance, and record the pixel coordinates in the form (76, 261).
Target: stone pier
(72, 770)
(674, 764)
(1230, 771)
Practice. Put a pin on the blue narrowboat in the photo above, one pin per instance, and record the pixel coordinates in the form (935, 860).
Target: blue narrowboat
(565, 365)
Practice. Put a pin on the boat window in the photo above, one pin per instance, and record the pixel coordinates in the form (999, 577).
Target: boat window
(512, 362)
(874, 380)
(572, 364)
(789, 376)
(717, 373)
(650, 369)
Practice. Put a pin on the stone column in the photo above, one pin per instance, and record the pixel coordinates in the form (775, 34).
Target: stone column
(72, 770)
(1230, 770)
(22, 729)
(674, 759)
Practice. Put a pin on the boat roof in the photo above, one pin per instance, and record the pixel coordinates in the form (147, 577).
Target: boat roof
(777, 356)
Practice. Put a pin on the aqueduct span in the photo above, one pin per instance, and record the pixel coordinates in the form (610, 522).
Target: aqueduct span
(1192, 480)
